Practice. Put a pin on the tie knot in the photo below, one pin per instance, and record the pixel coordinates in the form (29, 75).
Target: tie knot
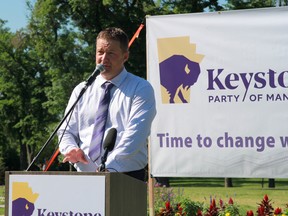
(108, 85)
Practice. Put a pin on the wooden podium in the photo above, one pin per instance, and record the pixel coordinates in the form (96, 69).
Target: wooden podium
(74, 194)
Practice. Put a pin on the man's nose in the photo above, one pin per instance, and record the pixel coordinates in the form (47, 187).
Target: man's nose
(104, 57)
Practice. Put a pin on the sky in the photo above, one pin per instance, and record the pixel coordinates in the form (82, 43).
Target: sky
(15, 12)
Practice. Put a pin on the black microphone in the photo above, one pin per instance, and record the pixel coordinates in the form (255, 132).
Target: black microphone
(99, 68)
(108, 146)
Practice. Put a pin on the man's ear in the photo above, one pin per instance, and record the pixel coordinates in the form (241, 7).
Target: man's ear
(126, 56)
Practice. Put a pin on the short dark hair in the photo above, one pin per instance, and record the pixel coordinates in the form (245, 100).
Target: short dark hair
(117, 34)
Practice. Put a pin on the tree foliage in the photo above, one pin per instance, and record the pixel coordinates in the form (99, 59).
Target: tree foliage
(22, 82)
(244, 4)
(42, 63)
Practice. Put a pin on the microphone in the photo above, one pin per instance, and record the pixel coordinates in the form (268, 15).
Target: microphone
(108, 146)
(99, 68)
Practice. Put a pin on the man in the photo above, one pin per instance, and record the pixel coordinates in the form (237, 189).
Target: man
(131, 112)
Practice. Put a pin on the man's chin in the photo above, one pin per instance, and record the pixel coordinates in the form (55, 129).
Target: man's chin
(105, 72)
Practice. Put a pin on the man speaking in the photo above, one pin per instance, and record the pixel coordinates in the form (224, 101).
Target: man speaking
(116, 99)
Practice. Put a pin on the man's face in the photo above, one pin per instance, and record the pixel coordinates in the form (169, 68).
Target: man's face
(109, 53)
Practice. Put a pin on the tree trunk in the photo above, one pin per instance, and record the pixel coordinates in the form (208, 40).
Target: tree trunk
(23, 156)
(271, 183)
(228, 182)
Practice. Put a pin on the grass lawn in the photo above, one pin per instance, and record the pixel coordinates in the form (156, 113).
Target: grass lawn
(246, 193)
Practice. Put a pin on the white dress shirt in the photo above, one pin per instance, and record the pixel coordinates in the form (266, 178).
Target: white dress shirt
(131, 111)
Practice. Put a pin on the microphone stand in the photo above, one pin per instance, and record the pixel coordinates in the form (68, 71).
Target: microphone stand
(89, 81)
(102, 166)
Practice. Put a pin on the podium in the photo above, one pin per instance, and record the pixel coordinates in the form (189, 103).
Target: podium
(74, 194)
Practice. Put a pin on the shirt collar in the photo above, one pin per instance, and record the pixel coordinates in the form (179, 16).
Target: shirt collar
(116, 80)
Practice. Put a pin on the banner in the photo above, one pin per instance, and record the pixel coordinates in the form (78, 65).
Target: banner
(221, 87)
(56, 195)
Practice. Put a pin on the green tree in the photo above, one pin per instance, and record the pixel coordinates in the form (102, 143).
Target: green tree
(244, 4)
(41, 64)
(188, 6)
(22, 84)
(63, 33)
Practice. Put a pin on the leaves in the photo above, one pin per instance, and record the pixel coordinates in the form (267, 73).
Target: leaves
(42, 63)
(21, 86)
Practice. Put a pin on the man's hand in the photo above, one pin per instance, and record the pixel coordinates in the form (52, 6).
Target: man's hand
(75, 155)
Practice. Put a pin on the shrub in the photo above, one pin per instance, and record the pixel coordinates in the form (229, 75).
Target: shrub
(168, 204)
(265, 208)
(191, 208)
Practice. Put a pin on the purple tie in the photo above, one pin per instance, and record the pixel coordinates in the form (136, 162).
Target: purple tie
(99, 128)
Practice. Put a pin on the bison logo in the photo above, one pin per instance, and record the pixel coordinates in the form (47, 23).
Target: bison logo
(179, 68)
(23, 199)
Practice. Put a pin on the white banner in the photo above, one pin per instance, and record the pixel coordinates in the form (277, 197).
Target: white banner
(221, 85)
(56, 195)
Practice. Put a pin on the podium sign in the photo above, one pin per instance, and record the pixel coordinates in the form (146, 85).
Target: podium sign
(74, 194)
